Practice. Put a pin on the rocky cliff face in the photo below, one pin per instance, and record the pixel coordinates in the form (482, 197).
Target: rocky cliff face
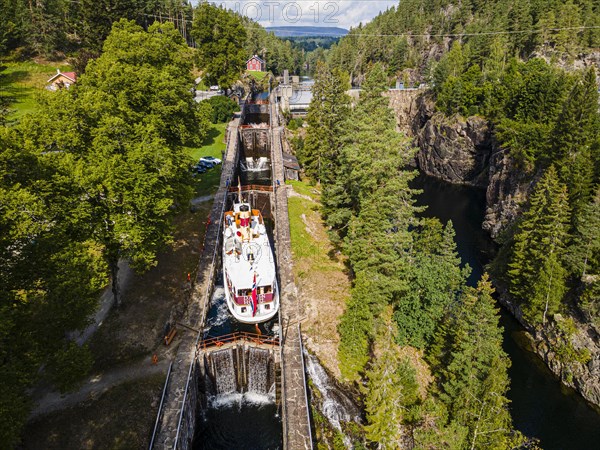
(583, 377)
(454, 149)
(407, 108)
(462, 151)
(507, 190)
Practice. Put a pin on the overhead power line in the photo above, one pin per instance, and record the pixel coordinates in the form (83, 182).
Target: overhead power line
(481, 33)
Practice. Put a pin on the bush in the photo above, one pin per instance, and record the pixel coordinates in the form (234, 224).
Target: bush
(294, 124)
(222, 108)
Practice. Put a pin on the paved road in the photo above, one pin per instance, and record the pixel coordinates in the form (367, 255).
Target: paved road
(202, 199)
(107, 301)
(96, 385)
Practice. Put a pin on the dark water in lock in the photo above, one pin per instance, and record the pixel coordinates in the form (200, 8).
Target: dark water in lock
(240, 425)
(244, 421)
(256, 118)
(236, 421)
(220, 322)
(540, 407)
(260, 96)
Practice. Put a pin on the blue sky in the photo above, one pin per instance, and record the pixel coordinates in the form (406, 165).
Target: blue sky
(332, 13)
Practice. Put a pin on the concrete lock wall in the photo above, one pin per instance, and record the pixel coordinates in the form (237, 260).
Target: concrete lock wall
(183, 395)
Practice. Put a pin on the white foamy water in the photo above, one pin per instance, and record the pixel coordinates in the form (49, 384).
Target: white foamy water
(336, 406)
(237, 398)
(222, 313)
(255, 164)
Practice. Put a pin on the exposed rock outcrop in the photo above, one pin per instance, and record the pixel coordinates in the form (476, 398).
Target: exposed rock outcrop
(406, 106)
(583, 377)
(453, 149)
(462, 151)
(507, 191)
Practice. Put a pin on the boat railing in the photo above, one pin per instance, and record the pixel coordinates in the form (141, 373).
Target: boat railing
(241, 300)
(254, 127)
(252, 187)
(239, 336)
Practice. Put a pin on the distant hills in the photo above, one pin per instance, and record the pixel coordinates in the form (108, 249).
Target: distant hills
(289, 31)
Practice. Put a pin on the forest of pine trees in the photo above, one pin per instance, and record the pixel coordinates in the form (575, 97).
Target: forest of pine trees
(77, 29)
(408, 287)
(411, 35)
(546, 117)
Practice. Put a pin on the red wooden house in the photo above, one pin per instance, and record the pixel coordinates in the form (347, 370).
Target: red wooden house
(255, 64)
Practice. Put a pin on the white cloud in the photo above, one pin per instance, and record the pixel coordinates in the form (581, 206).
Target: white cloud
(329, 13)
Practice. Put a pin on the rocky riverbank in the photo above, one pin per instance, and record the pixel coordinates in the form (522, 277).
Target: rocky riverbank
(549, 343)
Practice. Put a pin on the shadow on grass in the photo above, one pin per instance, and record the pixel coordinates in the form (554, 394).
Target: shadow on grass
(15, 93)
(11, 77)
(211, 136)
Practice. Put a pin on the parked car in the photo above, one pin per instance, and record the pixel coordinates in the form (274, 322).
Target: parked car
(207, 164)
(211, 159)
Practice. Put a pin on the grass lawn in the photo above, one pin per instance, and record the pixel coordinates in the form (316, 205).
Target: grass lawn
(258, 76)
(310, 243)
(304, 188)
(22, 81)
(213, 145)
(319, 272)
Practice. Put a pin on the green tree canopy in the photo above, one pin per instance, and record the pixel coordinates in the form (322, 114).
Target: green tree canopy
(436, 280)
(220, 37)
(221, 108)
(536, 271)
(391, 389)
(51, 272)
(327, 117)
(473, 368)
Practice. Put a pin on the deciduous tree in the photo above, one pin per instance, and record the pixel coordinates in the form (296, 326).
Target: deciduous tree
(435, 282)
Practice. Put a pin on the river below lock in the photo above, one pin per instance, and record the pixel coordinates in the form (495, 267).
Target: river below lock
(541, 407)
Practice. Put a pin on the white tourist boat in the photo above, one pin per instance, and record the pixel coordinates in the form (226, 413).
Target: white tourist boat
(248, 265)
